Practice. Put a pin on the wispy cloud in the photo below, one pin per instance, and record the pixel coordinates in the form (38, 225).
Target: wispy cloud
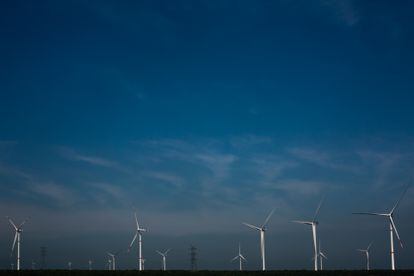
(89, 159)
(60, 194)
(15, 172)
(166, 177)
(325, 159)
(249, 140)
(303, 187)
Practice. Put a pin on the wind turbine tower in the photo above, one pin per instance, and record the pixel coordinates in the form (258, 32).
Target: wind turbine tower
(164, 258)
(241, 259)
(17, 238)
(138, 233)
(313, 223)
(366, 252)
(390, 217)
(321, 256)
(262, 231)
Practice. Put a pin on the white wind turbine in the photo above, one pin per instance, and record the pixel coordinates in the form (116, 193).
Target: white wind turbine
(164, 258)
(241, 259)
(113, 257)
(138, 233)
(110, 264)
(366, 252)
(321, 256)
(262, 231)
(313, 223)
(90, 264)
(17, 238)
(390, 217)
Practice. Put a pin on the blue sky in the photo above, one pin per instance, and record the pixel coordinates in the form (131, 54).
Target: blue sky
(202, 115)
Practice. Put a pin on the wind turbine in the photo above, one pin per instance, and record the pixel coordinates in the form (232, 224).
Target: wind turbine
(143, 264)
(390, 217)
(366, 251)
(313, 223)
(241, 259)
(113, 257)
(90, 264)
(17, 238)
(321, 256)
(70, 265)
(164, 258)
(138, 233)
(262, 231)
(110, 264)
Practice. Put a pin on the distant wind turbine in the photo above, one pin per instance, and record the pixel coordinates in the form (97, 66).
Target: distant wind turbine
(110, 264)
(393, 228)
(321, 256)
(113, 257)
(241, 259)
(313, 223)
(17, 238)
(70, 265)
(90, 264)
(262, 231)
(138, 233)
(366, 252)
(164, 258)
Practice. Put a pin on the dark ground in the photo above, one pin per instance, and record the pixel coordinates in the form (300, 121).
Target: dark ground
(202, 273)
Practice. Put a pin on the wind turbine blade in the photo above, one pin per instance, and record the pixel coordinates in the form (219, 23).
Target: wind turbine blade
(12, 223)
(399, 200)
(396, 231)
(369, 246)
(268, 217)
(133, 240)
(371, 214)
(21, 224)
(302, 222)
(159, 252)
(166, 252)
(323, 255)
(235, 258)
(241, 256)
(252, 226)
(14, 243)
(136, 220)
(361, 250)
(317, 209)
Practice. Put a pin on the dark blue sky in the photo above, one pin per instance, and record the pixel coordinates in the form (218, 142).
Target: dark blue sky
(204, 114)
